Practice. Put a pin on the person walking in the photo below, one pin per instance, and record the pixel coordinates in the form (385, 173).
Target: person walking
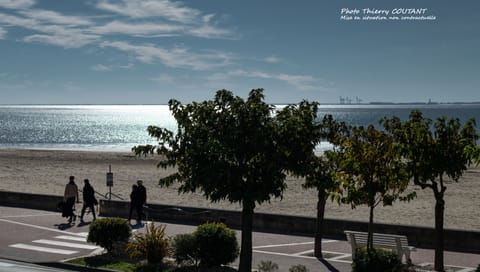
(133, 201)
(70, 195)
(89, 200)
(142, 200)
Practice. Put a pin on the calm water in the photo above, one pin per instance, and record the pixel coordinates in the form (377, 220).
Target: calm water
(119, 128)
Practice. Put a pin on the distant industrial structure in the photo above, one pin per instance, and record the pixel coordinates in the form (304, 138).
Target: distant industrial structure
(347, 100)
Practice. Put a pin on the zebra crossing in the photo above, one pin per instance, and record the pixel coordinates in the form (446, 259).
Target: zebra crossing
(61, 244)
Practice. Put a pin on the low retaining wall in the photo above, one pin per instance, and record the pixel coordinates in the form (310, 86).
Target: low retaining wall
(458, 240)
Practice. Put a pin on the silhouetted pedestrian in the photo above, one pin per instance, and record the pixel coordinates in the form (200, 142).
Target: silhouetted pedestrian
(142, 200)
(134, 202)
(89, 200)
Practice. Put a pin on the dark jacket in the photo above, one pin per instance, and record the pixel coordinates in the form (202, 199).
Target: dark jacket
(142, 194)
(88, 194)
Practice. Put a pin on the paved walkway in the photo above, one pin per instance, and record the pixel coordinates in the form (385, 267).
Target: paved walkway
(40, 237)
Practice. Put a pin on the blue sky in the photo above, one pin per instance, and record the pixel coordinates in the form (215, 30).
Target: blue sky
(148, 51)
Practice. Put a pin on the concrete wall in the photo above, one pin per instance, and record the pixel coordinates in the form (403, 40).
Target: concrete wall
(418, 236)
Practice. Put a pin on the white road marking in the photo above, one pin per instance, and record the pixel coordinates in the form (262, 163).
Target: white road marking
(299, 256)
(40, 227)
(44, 249)
(2, 264)
(279, 245)
(27, 215)
(303, 252)
(71, 238)
(294, 244)
(64, 244)
(83, 234)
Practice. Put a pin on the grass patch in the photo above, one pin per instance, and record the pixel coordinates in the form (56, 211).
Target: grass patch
(101, 261)
(108, 262)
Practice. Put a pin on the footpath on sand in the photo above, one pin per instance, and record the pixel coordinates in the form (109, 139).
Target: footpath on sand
(43, 237)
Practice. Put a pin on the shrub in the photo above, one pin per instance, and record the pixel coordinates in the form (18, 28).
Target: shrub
(217, 244)
(375, 260)
(152, 245)
(298, 268)
(267, 266)
(185, 249)
(106, 232)
(478, 268)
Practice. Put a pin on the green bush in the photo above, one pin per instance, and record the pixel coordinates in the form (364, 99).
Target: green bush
(152, 245)
(185, 249)
(217, 244)
(375, 260)
(106, 232)
(267, 266)
(298, 268)
(478, 268)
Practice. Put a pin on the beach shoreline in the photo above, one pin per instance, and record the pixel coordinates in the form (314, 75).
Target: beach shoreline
(46, 171)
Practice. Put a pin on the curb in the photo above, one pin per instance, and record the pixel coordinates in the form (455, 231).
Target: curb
(75, 267)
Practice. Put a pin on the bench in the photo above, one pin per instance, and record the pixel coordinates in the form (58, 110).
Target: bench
(397, 243)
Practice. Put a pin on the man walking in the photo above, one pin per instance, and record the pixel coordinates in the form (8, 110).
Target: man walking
(89, 200)
(142, 199)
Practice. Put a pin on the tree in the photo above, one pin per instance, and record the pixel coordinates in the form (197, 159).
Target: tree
(321, 176)
(236, 150)
(371, 171)
(433, 154)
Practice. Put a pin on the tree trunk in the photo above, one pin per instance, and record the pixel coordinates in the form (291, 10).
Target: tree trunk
(246, 246)
(439, 237)
(319, 224)
(370, 230)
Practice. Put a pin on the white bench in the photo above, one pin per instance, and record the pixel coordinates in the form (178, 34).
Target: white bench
(397, 243)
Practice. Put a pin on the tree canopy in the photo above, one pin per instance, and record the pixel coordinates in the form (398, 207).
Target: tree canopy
(236, 150)
(434, 153)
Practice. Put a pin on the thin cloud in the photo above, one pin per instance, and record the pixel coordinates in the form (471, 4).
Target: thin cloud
(55, 34)
(173, 11)
(48, 16)
(17, 4)
(154, 29)
(176, 57)
(101, 68)
(163, 78)
(301, 82)
(272, 59)
(3, 33)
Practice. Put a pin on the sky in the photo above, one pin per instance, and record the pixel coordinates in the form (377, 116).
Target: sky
(149, 51)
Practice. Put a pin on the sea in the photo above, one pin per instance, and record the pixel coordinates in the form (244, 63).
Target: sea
(118, 128)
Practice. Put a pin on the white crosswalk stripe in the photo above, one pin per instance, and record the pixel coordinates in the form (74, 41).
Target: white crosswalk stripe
(71, 238)
(79, 242)
(44, 249)
(65, 244)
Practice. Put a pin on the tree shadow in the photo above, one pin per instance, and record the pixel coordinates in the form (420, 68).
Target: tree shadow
(328, 265)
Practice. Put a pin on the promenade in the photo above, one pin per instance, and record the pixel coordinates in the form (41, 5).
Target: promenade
(42, 237)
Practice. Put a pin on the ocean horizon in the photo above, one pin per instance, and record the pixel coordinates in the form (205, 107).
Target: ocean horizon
(118, 128)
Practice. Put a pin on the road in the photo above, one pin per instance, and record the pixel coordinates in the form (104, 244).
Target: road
(36, 236)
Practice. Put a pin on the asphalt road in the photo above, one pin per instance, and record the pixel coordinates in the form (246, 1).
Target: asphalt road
(36, 236)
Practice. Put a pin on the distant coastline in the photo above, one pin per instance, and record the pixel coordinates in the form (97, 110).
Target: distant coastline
(281, 103)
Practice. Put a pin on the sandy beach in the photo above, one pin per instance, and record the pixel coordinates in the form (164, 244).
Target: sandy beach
(47, 172)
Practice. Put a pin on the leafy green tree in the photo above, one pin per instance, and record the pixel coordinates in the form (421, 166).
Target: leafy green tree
(432, 154)
(236, 150)
(371, 171)
(320, 175)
